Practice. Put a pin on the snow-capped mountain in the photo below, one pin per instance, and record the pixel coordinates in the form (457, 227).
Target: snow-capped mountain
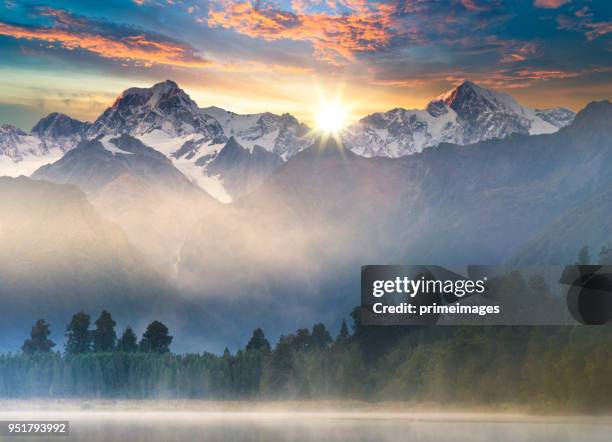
(22, 153)
(283, 134)
(60, 130)
(165, 118)
(56, 125)
(557, 116)
(164, 107)
(466, 114)
(242, 169)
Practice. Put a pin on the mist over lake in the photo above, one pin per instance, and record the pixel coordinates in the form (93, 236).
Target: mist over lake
(302, 422)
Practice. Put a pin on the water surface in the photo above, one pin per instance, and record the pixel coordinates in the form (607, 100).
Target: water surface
(271, 426)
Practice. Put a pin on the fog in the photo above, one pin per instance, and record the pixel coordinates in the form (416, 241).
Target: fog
(246, 421)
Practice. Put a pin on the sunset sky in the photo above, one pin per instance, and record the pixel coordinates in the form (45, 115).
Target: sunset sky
(252, 56)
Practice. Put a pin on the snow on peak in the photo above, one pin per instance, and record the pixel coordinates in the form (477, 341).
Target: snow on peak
(466, 114)
(164, 106)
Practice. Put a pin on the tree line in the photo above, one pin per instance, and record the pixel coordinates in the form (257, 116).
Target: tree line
(544, 368)
(541, 367)
(102, 339)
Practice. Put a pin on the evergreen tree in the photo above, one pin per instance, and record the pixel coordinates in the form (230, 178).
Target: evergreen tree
(156, 338)
(258, 341)
(320, 336)
(78, 336)
(104, 336)
(356, 318)
(583, 256)
(302, 339)
(343, 335)
(128, 342)
(39, 341)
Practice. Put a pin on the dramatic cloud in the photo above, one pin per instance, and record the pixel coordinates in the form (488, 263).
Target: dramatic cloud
(108, 41)
(335, 35)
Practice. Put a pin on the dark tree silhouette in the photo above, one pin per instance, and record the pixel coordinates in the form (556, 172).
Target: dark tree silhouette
(39, 341)
(78, 336)
(258, 341)
(343, 335)
(128, 342)
(302, 339)
(156, 338)
(104, 336)
(320, 336)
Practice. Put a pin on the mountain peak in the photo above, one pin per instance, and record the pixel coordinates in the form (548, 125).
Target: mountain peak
(463, 88)
(9, 128)
(153, 95)
(168, 84)
(164, 107)
(58, 125)
(595, 114)
(470, 101)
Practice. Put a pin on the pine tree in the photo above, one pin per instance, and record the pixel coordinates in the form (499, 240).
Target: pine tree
(156, 338)
(302, 339)
(104, 336)
(258, 341)
(128, 342)
(39, 341)
(343, 335)
(78, 336)
(321, 336)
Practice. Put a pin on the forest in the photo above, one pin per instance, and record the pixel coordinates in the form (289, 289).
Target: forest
(556, 368)
(535, 367)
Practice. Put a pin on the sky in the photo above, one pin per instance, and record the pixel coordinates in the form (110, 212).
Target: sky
(252, 56)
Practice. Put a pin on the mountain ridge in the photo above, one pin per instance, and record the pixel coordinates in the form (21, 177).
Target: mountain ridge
(165, 118)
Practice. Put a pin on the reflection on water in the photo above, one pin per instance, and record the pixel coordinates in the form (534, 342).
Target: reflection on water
(276, 426)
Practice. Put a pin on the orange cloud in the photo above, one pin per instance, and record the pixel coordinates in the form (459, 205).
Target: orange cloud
(550, 4)
(72, 32)
(520, 53)
(334, 36)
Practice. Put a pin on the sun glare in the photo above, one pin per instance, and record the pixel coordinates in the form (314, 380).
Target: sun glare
(331, 117)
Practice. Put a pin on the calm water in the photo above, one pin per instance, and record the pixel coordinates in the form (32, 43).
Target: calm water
(276, 426)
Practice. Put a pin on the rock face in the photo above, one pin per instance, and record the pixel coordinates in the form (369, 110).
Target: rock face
(282, 135)
(465, 115)
(243, 170)
(95, 163)
(57, 126)
(167, 119)
(165, 107)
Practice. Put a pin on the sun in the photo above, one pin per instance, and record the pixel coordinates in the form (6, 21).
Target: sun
(331, 117)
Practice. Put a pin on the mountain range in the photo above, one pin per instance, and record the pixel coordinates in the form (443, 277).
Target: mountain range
(166, 119)
(465, 115)
(119, 213)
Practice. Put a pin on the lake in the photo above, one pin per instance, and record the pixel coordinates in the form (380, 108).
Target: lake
(298, 426)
